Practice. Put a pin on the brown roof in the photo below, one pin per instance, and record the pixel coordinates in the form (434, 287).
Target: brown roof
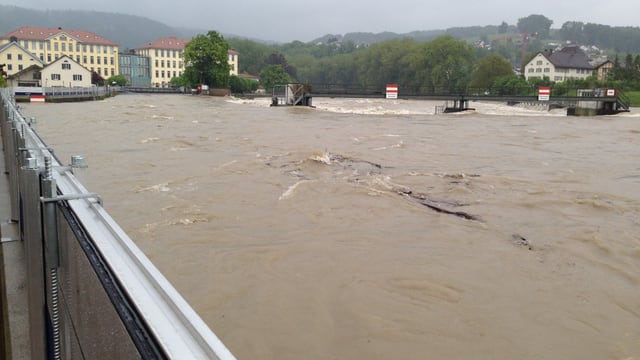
(167, 43)
(570, 57)
(38, 33)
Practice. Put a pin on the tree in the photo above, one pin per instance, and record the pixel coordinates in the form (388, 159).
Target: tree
(206, 59)
(96, 79)
(3, 74)
(450, 63)
(511, 85)
(535, 23)
(178, 81)
(572, 31)
(503, 28)
(274, 75)
(240, 85)
(279, 59)
(487, 70)
(3, 80)
(253, 55)
(118, 80)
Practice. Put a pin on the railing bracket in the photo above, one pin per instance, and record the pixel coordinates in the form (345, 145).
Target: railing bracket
(72, 197)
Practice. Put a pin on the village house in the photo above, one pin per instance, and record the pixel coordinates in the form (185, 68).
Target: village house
(65, 72)
(16, 58)
(29, 77)
(604, 69)
(92, 51)
(568, 63)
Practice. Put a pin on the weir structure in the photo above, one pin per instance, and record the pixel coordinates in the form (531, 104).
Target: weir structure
(73, 284)
(577, 101)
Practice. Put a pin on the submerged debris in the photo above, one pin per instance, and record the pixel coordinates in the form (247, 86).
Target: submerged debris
(521, 241)
(359, 168)
(436, 206)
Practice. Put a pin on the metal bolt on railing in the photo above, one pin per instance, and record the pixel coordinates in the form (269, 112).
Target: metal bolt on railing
(31, 163)
(79, 167)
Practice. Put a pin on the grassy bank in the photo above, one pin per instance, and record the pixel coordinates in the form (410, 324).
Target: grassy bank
(634, 97)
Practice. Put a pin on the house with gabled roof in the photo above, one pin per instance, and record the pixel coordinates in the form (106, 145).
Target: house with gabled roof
(65, 72)
(29, 77)
(92, 51)
(604, 69)
(568, 63)
(16, 58)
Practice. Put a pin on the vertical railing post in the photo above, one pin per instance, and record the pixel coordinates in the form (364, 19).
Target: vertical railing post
(31, 234)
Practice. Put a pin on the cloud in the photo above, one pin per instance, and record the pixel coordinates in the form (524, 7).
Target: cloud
(287, 20)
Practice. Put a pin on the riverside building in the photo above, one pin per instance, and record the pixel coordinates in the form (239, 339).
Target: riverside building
(90, 50)
(165, 59)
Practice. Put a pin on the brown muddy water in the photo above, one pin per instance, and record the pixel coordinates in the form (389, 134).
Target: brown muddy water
(374, 229)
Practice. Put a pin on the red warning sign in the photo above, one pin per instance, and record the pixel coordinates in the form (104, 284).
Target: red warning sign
(544, 93)
(392, 91)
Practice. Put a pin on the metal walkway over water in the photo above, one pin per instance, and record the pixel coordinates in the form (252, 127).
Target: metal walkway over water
(577, 101)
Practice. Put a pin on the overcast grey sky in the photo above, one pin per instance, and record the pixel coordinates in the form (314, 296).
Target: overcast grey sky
(288, 20)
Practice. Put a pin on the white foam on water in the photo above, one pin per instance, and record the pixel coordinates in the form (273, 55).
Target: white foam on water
(291, 190)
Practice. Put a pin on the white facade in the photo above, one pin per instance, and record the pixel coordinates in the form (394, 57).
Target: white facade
(64, 72)
(560, 66)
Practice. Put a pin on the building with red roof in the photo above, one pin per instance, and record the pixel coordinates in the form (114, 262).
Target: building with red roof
(92, 51)
(166, 61)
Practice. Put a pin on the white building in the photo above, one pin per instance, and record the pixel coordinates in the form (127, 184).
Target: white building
(569, 63)
(65, 72)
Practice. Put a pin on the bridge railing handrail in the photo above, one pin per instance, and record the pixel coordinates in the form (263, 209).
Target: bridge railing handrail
(174, 325)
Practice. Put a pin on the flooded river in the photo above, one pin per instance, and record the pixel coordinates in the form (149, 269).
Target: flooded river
(374, 229)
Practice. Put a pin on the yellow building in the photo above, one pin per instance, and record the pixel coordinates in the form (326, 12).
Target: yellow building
(166, 61)
(233, 62)
(16, 58)
(165, 55)
(92, 51)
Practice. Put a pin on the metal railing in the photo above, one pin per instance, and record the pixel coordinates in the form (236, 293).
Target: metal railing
(91, 292)
(92, 91)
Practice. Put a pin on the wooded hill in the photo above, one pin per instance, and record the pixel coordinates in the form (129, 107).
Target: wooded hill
(128, 31)
(132, 31)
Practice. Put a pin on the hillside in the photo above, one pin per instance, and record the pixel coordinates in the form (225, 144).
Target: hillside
(127, 30)
(133, 31)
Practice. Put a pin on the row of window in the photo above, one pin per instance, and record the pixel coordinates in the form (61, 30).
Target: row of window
(76, 77)
(10, 67)
(546, 70)
(168, 53)
(167, 75)
(40, 45)
(10, 57)
(161, 63)
(91, 59)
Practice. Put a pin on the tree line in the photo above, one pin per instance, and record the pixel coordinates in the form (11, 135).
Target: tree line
(444, 65)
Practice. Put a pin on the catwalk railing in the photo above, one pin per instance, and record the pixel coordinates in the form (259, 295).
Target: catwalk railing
(92, 293)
